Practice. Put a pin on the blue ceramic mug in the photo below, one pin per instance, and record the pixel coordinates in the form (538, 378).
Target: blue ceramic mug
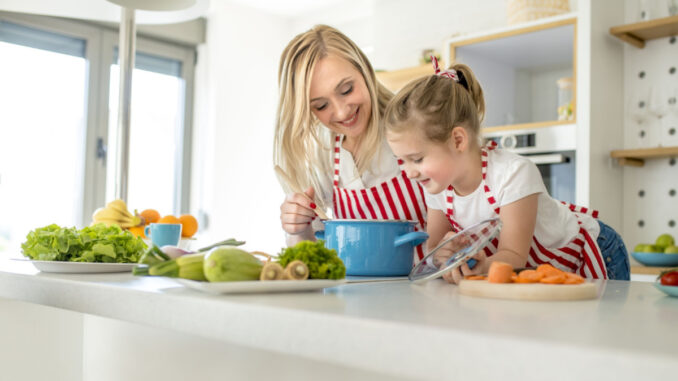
(373, 248)
(163, 234)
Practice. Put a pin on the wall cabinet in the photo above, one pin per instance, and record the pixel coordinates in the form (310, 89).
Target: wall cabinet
(527, 72)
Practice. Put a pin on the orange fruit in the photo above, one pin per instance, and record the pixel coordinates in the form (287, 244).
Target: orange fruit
(168, 219)
(150, 216)
(138, 231)
(189, 225)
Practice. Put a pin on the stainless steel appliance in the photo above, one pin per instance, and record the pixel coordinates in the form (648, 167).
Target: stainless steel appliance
(552, 149)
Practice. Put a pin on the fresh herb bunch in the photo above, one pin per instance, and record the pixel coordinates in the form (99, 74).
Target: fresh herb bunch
(96, 243)
(323, 263)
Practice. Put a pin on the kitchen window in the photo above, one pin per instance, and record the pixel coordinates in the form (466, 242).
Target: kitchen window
(43, 94)
(58, 110)
(156, 132)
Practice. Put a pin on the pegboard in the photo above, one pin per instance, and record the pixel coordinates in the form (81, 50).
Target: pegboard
(651, 120)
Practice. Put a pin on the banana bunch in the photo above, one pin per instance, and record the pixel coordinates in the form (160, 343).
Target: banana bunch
(116, 213)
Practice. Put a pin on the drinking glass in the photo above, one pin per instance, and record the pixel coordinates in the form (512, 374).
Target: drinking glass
(672, 101)
(637, 107)
(672, 7)
(658, 104)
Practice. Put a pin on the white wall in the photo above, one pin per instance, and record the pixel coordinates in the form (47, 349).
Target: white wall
(599, 108)
(394, 32)
(236, 98)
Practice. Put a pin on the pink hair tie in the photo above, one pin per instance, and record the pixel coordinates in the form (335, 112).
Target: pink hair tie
(451, 73)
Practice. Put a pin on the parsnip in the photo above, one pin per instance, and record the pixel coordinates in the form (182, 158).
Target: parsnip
(296, 270)
(271, 271)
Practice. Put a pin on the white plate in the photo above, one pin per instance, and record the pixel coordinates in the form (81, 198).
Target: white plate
(257, 286)
(80, 267)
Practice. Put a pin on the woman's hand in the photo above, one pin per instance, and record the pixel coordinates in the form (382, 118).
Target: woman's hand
(296, 213)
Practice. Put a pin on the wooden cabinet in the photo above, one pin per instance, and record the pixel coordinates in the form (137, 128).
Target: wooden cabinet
(394, 80)
(527, 72)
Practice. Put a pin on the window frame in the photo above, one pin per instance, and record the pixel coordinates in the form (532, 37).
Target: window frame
(100, 43)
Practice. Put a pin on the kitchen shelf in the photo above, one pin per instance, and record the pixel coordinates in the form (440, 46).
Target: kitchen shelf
(528, 126)
(636, 34)
(636, 157)
(394, 80)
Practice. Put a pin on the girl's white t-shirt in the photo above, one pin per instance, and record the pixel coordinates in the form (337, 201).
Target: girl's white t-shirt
(510, 178)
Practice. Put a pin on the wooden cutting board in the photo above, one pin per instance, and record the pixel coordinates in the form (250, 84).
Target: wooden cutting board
(529, 291)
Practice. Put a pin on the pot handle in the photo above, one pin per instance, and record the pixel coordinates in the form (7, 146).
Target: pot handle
(320, 234)
(417, 238)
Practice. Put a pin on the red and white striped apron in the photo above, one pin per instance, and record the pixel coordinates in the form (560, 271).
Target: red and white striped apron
(396, 199)
(581, 255)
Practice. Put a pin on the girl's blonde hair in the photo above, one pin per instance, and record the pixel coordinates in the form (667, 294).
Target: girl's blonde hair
(301, 147)
(438, 104)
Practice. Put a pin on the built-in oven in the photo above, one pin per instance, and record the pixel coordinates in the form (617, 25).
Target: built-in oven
(552, 149)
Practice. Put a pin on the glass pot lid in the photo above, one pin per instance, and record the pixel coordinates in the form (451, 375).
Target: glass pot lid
(465, 244)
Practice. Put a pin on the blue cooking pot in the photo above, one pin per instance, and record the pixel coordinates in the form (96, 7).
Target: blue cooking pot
(373, 248)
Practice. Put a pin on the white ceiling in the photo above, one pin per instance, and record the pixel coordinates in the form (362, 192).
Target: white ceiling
(286, 7)
(103, 10)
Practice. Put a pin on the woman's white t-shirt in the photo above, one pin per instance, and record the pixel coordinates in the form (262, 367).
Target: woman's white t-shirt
(510, 178)
(383, 167)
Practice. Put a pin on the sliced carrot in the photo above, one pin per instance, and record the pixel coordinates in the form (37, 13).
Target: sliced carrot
(548, 270)
(500, 272)
(514, 277)
(554, 279)
(529, 276)
(573, 279)
(475, 277)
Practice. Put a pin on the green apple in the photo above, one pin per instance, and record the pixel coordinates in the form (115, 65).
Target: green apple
(655, 249)
(640, 248)
(664, 241)
(647, 248)
(671, 250)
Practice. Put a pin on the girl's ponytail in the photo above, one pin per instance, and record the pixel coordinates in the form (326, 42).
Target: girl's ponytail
(438, 103)
(468, 80)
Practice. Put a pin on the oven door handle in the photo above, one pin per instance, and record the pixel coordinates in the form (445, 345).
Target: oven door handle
(554, 158)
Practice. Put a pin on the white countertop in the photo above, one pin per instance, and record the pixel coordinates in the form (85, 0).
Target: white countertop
(427, 331)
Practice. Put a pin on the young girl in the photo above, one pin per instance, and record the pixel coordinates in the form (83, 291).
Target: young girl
(329, 139)
(433, 125)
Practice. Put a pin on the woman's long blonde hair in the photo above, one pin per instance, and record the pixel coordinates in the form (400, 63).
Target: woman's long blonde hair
(437, 104)
(301, 147)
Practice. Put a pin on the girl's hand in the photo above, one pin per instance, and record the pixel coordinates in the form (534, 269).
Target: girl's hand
(296, 212)
(450, 248)
(457, 274)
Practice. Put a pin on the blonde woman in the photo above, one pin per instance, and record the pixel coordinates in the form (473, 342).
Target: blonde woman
(329, 139)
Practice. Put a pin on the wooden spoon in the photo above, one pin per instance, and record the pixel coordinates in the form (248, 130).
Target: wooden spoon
(286, 178)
